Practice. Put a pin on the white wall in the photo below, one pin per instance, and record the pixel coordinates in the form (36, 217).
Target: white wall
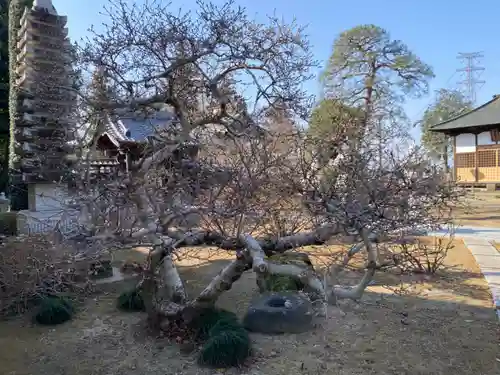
(465, 143)
(484, 138)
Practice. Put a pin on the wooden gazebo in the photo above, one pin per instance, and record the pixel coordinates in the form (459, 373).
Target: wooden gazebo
(476, 146)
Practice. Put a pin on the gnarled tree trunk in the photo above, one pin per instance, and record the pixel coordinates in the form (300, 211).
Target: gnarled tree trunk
(170, 301)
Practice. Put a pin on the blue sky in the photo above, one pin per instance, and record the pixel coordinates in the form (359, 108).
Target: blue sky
(435, 30)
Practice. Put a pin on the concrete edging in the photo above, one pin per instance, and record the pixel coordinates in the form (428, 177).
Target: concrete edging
(488, 260)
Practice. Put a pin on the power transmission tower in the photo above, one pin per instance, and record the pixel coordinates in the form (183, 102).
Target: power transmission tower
(472, 73)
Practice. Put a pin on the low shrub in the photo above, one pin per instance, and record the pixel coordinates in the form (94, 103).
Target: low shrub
(427, 257)
(225, 325)
(8, 223)
(209, 318)
(227, 342)
(32, 268)
(54, 310)
(131, 300)
(227, 348)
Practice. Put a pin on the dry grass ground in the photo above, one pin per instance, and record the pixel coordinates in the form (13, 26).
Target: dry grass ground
(482, 210)
(447, 327)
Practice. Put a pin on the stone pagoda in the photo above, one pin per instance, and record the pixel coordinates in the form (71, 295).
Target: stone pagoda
(43, 122)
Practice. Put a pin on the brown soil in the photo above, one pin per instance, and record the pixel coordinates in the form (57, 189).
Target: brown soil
(450, 327)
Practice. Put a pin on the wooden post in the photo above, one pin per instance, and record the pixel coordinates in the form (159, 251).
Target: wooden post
(455, 158)
(476, 159)
(496, 164)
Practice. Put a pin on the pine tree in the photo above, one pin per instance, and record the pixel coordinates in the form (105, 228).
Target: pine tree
(370, 70)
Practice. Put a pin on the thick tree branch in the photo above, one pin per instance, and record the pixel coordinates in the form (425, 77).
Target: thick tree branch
(303, 274)
(268, 245)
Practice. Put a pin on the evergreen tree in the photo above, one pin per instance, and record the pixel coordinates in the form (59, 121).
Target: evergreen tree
(331, 124)
(448, 104)
(369, 70)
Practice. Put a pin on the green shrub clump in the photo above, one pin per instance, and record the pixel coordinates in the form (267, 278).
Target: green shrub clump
(131, 300)
(211, 317)
(226, 349)
(227, 342)
(54, 310)
(8, 223)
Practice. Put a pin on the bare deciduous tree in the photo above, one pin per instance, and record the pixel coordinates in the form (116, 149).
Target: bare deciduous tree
(220, 73)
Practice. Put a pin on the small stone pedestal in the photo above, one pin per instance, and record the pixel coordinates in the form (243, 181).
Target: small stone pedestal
(93, 269)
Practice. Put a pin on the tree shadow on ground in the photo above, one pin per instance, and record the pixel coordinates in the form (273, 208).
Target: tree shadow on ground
(381, 335)
(439, 334)
(454, 281)
(459, 278)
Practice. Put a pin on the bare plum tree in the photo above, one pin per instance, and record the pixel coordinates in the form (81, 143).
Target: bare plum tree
(220, 74)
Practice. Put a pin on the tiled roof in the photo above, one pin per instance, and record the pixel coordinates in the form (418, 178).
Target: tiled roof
(137, 127)
(485, 115)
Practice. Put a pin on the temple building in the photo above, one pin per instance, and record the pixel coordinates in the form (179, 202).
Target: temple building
(43, 118)
(476, 145)
(122, 139)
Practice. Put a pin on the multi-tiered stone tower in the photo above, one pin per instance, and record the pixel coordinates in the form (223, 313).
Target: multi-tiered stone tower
(43, 119)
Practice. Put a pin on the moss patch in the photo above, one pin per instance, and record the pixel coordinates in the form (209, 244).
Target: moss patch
(279, 283)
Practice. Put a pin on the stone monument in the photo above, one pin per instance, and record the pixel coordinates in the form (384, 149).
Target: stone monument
(43, 119)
